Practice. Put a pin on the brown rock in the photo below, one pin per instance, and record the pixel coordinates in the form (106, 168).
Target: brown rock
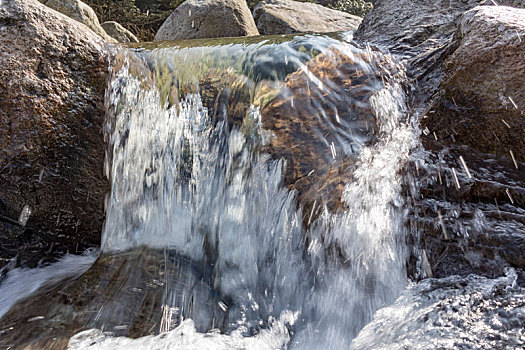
(482, 97)
(52, 81)
(208, 19)
(288, 16)
(319, 121)
(122, 292)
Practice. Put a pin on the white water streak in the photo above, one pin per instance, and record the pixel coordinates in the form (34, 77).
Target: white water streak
(22, 282)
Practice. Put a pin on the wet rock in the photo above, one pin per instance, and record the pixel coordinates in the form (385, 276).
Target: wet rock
(319, 121)
(119, 33)
(463, 222)
(468, 224)
(288, 16)
(130, 294)
(449, 313)
(473, 116)
(52, 81)
(80, 12)
(208, 19)
(481, 101)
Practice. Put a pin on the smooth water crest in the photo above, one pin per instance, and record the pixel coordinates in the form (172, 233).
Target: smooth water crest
(255, 198)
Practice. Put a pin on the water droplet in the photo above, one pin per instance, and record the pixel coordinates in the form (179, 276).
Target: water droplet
(24, 215)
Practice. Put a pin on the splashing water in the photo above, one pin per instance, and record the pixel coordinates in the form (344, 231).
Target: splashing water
(184, 181)
(256, 199)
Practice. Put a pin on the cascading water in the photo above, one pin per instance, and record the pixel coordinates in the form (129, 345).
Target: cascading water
(186, 182)
(256, 199)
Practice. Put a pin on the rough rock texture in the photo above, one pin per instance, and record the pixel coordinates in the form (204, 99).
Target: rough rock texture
(482, 97)
(119, 33)
(80, 12)
(463, 65)
(52, 81)
(208, 19)
(288, 16)
(478, 113)
(421, 31)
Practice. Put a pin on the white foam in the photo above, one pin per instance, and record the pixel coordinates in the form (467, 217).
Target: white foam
(186, 337)
(20, 283)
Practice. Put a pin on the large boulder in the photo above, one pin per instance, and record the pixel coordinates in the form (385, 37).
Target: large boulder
(464, 63)
(208, 19)
(52, 81)
(478, 114)
(80, 12)
(119, 33)
(482, 97)
(421, 31)
(288, 16)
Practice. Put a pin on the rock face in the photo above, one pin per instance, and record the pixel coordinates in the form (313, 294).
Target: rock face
(208, 19)
(119, 33)
(478, 113)
(421, 31)
(465, 62)
(52, 81)
(80, 12)
(482, 97)
(288, 16)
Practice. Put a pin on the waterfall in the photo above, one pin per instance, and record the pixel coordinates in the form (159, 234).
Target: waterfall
(188, 181)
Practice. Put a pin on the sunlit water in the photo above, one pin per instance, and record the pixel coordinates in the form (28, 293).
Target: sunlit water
(185, 182)
(258, 270)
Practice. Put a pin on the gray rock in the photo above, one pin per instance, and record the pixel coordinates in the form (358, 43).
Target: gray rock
(464, 61)
(484, 83)
(119, 33)
(80, 12)
(288, 16)
(52, 82)
(208, 19)
(421, 31)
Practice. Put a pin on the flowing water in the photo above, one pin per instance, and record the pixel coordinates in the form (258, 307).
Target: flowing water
(184, 181)
(210, 241)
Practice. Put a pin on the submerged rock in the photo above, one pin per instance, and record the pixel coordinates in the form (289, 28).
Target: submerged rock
(80, 12)
(134, 294)
(320, 120)
(119, 33)
(288, 16)
(52, 81)
(208, 19)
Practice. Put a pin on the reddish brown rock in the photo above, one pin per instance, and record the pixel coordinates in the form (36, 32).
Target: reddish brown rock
(319, 121)
(52, 81)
